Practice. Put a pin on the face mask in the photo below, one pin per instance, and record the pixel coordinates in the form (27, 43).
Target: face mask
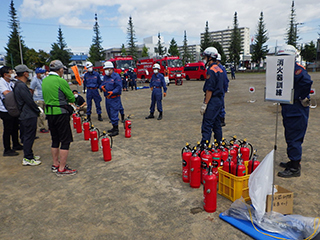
(12, 76)
(76, 95)
(155, 71)
(90, 69)
(107, 72)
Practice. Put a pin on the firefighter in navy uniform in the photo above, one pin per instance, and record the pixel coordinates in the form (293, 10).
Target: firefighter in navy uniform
(295, 116)
(213, 101)
(112, 86)
(124, 76)
(132, 78)
(92, 81)
(156, 83)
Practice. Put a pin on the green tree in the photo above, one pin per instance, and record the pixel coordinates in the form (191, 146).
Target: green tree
(219, 47)
(173, 48)
(292, 32)
(185, 53)
(260, 50)
(13, 57)
(206, 42)
(59, 50)
(36, 59)
(123, 50)
(160, 49)
(132, 47)
(145, 52)
(309, 53)
(96, 50)
(235, 44)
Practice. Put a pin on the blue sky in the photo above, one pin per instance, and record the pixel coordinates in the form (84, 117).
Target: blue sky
(40, 19)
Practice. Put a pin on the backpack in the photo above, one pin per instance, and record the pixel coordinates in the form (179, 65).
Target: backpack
(11, 105)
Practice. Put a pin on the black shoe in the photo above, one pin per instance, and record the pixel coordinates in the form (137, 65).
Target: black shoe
(10, 153)
(289, 173)
(89, 118)
(122, 118)
(115, 131)
(100, 118)
(160, 116)
(18, 147)
(287, 165)
(150, 116)
(222, 122)
(36, 137)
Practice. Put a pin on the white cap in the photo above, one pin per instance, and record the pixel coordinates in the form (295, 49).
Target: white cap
(108, 64)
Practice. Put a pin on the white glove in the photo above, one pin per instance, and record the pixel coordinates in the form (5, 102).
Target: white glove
(203, 108)
(306, 102)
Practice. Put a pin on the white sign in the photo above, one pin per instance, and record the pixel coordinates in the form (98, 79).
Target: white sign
(280, 79)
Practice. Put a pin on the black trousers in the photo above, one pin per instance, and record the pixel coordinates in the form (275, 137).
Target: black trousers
(29, 128)
(10, 130)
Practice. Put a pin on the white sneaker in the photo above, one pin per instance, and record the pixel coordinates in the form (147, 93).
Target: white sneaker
(30, 162)
(37, 158)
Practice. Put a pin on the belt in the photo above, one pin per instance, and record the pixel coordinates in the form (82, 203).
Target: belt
(113, 96)
(92, 88)
(157, 87)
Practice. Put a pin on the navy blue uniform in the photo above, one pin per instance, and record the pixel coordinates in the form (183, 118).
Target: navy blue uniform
(113, 83)
(295, 116)
(211, 119)
(124, 76)
(157, 83)
(132, 77)
(92, 81)
(225, 87)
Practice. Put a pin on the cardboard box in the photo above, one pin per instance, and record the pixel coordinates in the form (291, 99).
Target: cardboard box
(282, 202)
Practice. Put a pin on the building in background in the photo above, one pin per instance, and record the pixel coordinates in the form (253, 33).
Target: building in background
(78, 59)
(224, 38)
(193, 51)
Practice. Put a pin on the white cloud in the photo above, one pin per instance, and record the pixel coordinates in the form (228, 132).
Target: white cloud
(173, 17)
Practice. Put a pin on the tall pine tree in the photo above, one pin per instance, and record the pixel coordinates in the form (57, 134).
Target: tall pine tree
(173, 48)
(292, 32)
(145, 51)
(235, 44)
(185, 52)
(123, 51)
(13, 57)
(219, 47)
(132, 47)
(206, 42)
(59, 50)
(96, 50)
(160, 49)
(260, 50)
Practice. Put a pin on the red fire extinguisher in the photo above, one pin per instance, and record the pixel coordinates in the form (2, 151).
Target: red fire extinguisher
(228, 165)
(224, 156)
(206, 160)
(106, 145)
(245, 151)
(74, 122)
(210, 191)
(186, 155)
(233, 153)
(86, 129)
(239, 169)
(77, 120)
(195, 170)
(94, 139)
(253, 163)
(216, 162)
(127, 128)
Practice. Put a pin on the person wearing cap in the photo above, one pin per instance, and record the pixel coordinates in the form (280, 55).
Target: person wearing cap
(213, 101)
(112, 87)
(10, 124)
(295, 116)
(157, 82)
(92, 81)
(28, 116)
(57, 95)
(36, 90)
(225, 87)
(79, 103)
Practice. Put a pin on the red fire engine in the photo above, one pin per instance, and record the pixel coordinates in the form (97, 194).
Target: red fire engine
(173, 64)
(120, 62)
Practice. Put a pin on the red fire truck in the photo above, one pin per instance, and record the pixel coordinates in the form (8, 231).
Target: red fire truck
(120, 62)
(173, 64)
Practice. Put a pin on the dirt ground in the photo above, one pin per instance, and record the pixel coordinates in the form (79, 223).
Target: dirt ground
(140, 193)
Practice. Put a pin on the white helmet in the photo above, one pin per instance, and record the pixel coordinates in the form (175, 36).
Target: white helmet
(287, 50)
(156, 66)
(210, 52)
(219, 57)
(89, 64)
(108, 64)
